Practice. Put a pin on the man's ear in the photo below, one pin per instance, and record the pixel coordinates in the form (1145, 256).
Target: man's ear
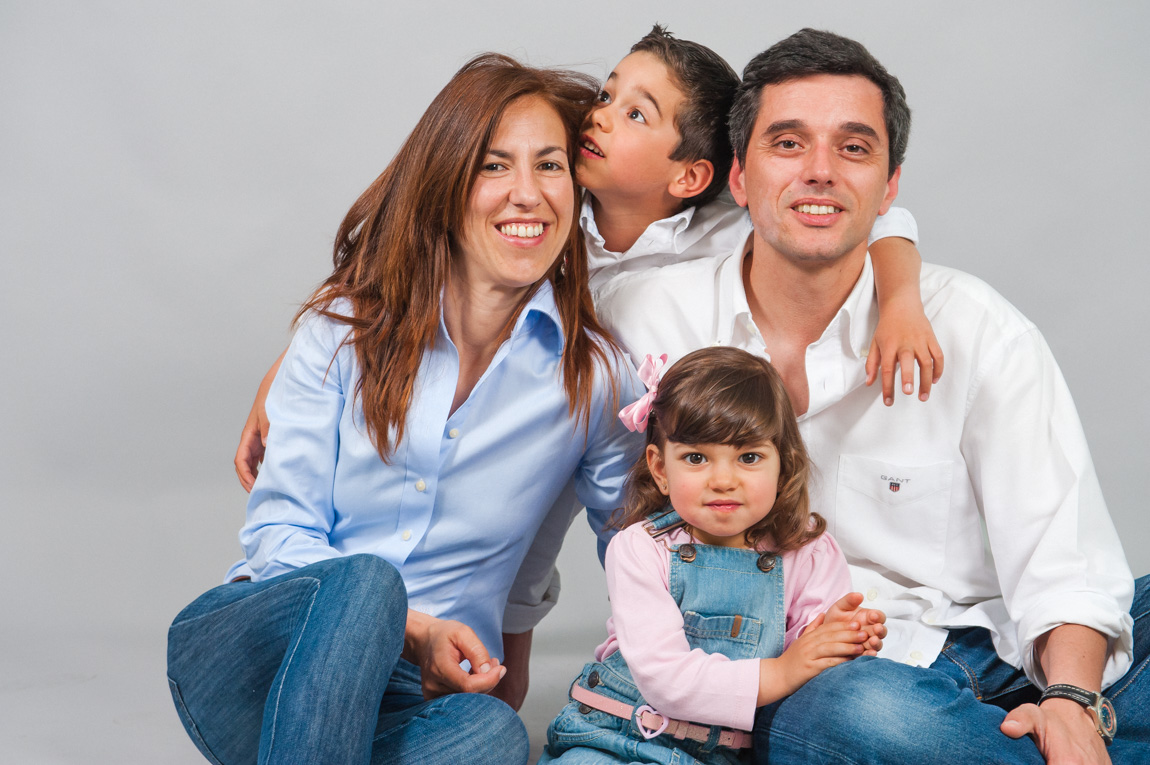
(891, 191)
(735, 180)
(692, 179)
(657, 467)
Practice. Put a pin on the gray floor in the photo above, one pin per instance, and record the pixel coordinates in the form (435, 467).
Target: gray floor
(73, 694)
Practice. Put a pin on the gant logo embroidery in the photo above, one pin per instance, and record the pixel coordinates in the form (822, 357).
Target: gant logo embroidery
(894, 483)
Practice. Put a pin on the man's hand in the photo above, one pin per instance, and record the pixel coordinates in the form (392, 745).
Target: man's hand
(254, 436)
(517, 660)
(438, 646)
(847, 613)
(1063, 730)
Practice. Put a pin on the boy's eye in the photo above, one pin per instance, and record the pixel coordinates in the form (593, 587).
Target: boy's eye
(694, 458)
(636, 115)
(750, 458)
(604, 97)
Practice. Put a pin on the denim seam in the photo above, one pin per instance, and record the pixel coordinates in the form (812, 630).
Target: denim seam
(807, 744)
(1128, 682)
(193, 729)
(225, 607)
(288, 662)
(971, 676)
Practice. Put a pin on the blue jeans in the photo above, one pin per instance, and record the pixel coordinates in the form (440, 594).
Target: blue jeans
(305, 668)
(872, 710)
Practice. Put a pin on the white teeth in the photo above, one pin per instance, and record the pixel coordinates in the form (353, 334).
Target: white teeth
(592, 148)
(818, 209)
(522, 230)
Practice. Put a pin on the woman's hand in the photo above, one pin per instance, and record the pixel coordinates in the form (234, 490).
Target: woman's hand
(254, 436)
(821, 646)
(438, 646)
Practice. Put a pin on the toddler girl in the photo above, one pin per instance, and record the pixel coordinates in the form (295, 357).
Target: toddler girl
(726, 595)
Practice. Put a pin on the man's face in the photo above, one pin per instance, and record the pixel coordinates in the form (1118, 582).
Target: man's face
(815, 177)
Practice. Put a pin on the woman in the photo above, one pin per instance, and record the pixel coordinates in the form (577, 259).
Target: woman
(444, 385)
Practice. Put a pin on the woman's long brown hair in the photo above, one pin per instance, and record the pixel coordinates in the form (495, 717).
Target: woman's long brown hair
(723, 395)
(393, 250)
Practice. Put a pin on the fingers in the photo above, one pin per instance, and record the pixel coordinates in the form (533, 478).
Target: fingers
(1023, 720)
(936, 358)
(888, 383)
(248, 454)
(872, 361)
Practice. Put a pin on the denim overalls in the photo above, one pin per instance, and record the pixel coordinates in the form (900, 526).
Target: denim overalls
(732, 603)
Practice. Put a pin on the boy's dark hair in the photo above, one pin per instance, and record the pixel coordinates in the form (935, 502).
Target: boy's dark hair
(809, 52)
(708, 84)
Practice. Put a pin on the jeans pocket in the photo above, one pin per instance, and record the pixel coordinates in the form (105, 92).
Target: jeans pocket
(190, 724)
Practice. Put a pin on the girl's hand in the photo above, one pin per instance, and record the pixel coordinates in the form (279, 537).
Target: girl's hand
(904, 337)
(870, 620)
(821, 646)
(438, 646)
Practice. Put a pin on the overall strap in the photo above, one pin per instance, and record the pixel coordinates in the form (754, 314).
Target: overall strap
(663, 521)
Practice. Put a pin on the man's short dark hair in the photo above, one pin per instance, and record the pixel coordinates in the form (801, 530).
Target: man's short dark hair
(708, 84)
(810, 52)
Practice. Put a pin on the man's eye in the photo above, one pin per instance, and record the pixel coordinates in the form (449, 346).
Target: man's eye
(788, 144)
(854, 148)
(636, 115)
(750, 458)
(694, 458)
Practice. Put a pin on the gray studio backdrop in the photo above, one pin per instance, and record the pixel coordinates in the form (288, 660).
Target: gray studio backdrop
(172, 175)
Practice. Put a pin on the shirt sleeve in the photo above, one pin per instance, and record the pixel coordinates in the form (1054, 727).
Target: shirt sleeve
(290, 512)
(816, 577)
(897, 222)
(677, 681)
(1056, 552)
(536, 588)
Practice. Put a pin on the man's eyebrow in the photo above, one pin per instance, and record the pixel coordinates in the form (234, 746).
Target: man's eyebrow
(861, 128)
(782, 126)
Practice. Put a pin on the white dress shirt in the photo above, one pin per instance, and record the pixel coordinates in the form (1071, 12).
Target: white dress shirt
(980, 507)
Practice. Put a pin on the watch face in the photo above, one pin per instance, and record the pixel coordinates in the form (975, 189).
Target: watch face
(1107, 720)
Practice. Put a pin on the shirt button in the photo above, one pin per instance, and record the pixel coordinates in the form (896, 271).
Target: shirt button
(406, 534)
(453, 433)
(420, 485)
(916, 655)
(872, 593)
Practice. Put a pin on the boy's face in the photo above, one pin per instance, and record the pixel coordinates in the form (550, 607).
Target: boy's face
(630, 134)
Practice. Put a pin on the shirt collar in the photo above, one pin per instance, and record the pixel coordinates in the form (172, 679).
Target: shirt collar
(670, 228)
(541, 314)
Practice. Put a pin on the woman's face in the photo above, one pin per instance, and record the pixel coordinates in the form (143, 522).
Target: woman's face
(520, 210)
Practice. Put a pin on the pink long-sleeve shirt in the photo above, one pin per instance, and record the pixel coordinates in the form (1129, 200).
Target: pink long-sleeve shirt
(647, 626)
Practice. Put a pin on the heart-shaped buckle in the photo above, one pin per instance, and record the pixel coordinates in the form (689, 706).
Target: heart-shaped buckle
(639, 721)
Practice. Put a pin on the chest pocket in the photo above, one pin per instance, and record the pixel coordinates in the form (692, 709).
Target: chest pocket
(894, 515)
(733, 636)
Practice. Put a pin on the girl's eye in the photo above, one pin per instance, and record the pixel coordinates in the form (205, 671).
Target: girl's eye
(636, 115)
(750, 458)
(694, 458)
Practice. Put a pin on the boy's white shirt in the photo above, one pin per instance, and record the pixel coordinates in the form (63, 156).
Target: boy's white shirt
(713, 230)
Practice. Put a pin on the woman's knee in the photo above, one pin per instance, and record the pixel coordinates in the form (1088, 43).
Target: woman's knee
(486, 730)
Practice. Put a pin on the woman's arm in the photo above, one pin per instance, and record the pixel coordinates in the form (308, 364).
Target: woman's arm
(904, 334)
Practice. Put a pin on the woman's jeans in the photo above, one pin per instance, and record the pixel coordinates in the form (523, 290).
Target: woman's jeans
(305, 668)
(873, 710)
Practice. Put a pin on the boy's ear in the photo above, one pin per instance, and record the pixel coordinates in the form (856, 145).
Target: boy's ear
(657, 467)
(692, 179)
(735, 181)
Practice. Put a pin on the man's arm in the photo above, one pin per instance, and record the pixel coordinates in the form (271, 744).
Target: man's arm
(1063, 729)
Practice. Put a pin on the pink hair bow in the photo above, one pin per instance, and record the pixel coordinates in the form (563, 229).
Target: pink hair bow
(634, 416)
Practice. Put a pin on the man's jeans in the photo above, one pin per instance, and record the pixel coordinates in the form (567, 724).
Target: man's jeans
(305, 668)
(878, 711)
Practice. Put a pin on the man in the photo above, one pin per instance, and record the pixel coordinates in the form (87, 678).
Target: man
(975, 521)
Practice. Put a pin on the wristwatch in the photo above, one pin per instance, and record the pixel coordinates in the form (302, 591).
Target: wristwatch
(1099, 707)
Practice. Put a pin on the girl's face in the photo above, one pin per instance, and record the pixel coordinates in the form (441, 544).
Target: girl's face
(720, 490)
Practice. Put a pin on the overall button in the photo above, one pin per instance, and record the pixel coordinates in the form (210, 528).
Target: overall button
(584, 709)
(766, 562)
(420, 485)
(593, 679)
(687, 552)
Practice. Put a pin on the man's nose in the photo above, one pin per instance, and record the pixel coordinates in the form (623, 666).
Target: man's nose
(819, 168)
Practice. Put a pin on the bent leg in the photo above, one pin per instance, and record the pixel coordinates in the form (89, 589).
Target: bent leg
(1131, 694)
(292, 668)
(873, 710)
(454, 729)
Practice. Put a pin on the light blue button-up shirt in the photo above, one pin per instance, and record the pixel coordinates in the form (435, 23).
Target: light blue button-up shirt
(457, 505)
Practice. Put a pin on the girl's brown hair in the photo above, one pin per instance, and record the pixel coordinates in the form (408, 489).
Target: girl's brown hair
(393, 251)
(727, 396)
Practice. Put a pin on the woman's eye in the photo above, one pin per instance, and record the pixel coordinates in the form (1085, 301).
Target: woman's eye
(694, 458)
(750, 458)
(636, 115)
(550, 167)
(493, 167)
